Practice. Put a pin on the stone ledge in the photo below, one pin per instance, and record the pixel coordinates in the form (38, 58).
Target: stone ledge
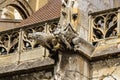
(25, 67)
(110, 50)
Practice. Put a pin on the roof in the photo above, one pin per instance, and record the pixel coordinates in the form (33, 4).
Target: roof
(50, 11)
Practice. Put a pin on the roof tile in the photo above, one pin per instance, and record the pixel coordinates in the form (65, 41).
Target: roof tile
(50, 11)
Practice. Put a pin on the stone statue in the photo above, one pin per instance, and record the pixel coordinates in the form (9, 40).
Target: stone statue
(43, 38)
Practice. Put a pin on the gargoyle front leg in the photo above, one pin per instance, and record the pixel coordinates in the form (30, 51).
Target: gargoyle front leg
(65, 41)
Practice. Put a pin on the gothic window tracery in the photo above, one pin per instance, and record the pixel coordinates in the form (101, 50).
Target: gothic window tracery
(28, 42)
(9, 42)
(104, 26)
(15, 41)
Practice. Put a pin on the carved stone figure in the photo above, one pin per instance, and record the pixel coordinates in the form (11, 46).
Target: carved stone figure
(43, 38)
(61, 39)
(65, 35)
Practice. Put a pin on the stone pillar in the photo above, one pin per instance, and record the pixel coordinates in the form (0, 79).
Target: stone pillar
(90, 29)
(0, 13)
(118, 21)
(71, 66)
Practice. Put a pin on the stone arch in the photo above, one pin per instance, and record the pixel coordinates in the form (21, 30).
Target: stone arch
(21, 5)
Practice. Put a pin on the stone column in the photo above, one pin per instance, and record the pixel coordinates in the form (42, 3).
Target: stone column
(90, 29)
(118, 21)
(0, 13)
(71, 66)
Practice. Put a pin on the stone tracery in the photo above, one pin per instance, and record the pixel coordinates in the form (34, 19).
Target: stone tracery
(9, 42)
(104, 26)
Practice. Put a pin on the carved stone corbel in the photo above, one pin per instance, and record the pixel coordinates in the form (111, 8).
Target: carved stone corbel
(64, 41)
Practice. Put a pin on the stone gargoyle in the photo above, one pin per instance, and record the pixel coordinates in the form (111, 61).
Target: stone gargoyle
(62, 38)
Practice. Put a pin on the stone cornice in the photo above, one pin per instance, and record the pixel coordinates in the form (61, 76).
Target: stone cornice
(25, 67)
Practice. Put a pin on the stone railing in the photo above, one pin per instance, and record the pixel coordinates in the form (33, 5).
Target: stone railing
(16, 40)
(104, 25)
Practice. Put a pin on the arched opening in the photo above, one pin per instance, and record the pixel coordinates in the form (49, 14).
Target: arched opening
(13, 12)
(18, 9)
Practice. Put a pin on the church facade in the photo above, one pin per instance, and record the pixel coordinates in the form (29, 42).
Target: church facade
(60, 40)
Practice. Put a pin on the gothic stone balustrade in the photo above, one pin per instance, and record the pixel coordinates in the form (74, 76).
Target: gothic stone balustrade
(15, 45)
(104, 25)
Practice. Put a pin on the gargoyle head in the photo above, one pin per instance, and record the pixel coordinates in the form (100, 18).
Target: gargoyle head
(36, 35)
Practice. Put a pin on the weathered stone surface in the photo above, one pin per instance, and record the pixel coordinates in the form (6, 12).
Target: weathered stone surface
(26, 55)
(26, 66)
(8, 24)
(70, 67)
(87, 6)
(107, 47)
(39, 75)
(83, 47)
(35, 5)
(108, 69)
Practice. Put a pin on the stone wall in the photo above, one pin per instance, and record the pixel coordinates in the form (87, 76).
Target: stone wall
(39, 75)
(87, 6)
(37, 69)
(37, 4)
(72, 66)
(7, 24)
(116, 3)
(108, 69)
